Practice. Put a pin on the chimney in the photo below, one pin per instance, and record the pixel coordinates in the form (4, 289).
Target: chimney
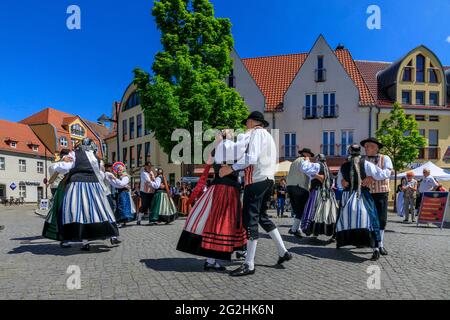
(340, 46)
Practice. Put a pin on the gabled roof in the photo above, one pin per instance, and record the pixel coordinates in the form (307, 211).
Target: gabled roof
(48, 115)
(61, 120)
(24, 137)
(274, 75)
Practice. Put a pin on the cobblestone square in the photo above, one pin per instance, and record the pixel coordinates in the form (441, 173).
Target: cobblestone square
(147, 266)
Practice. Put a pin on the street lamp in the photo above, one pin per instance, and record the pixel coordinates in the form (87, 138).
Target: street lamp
(105, 118)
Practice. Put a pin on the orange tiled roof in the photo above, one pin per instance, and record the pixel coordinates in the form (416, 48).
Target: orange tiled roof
(48, 115)
(274, 75)
(24, 137)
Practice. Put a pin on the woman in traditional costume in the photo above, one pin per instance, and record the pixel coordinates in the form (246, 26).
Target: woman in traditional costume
(163, 208)
(358, 223)
(120, 180)
(214, 228)
(321, 210)
(86, 212)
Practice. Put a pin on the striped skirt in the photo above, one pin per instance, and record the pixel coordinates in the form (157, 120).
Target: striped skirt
(163, 208)
(309, 212)
(358, 223)
(214, 227)
(86, 213)
(325, 214)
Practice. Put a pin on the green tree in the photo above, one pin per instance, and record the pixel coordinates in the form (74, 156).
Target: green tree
(187, 83)
(401, 139)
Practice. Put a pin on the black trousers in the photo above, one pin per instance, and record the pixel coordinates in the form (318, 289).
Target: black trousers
(381, 203)
(256, 197)
(299, 198)
(146, 201)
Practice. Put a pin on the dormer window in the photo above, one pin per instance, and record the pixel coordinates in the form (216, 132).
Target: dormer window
(35, 148)
(432, 74)
(407, 72)
(420, 72)
(13, 144)
(77, 130)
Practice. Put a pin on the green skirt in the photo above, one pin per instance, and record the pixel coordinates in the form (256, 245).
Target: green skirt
(52, 224)
(163, 208)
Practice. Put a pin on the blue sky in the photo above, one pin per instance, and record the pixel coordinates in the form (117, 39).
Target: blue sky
(42, 63)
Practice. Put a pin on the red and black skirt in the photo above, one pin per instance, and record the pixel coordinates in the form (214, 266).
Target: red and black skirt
(214, 227)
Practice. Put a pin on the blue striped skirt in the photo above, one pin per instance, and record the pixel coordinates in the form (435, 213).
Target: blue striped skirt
(358, 223)
(86, 213)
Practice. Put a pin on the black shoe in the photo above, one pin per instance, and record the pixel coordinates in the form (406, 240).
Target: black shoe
(375, 256)
(287, 256)
(65, 245)
(213, 267)
(241, 255)
(86, 247)
(115, 241)
(383, 252)
(298, 234)
(242, 271)
(138, 223)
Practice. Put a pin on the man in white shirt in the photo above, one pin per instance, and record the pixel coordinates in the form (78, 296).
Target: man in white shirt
(427, 184)
(146, 191)
(259, 163)
(379, 189)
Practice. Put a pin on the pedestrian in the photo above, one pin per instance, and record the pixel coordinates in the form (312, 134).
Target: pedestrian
(259, 163)
(378, 189)
(428, 184)
(146, 191)
(358, 223)
(176, 195)
(400, 198)
(185, 207)
(281, 198)
(214, 228)
(163, 208)
(409, 197)
(86, 212)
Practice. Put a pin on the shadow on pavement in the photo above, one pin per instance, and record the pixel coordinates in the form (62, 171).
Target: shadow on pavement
(317, 253)
(55, 250)
(175, 264)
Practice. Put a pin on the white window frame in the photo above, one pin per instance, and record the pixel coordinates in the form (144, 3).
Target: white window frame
(2, 163)
(40, 167)
(65, 143)
(13, 144)
(22, 165)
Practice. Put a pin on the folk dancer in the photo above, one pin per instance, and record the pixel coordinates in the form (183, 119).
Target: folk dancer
(259, 161)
